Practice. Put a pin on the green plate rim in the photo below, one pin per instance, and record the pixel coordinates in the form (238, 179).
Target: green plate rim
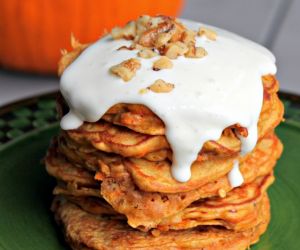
(289, 100)
(26, 101)
(7, 109)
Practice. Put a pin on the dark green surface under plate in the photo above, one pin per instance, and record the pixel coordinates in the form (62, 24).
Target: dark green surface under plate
(25, 188)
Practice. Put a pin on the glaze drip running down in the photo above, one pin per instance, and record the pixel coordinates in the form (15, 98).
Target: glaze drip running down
(210, 93)
(235, 177)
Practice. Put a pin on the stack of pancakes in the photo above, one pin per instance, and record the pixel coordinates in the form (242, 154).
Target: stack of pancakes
(115, 189)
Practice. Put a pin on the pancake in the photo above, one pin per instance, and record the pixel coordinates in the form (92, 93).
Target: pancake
(58, 167)
(66, 142)
(237, 211)
(90, 232)
(204, 171)
(107, 137)
(93, 205)
(75, 190)
(141, 119)
(156, 177)
(147, 209)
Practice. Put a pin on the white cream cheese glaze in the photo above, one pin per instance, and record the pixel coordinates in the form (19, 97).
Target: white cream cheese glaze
(211, 93)
(235, 177)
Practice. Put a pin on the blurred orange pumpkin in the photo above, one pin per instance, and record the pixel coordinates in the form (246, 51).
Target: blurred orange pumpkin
(32, 32)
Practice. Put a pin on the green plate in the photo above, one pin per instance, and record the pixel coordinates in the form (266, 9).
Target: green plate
(25, 189)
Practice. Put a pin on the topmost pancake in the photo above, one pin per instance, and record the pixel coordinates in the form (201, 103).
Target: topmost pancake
(145, 138)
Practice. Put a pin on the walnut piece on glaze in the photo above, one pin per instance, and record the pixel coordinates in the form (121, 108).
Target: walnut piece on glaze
(153, 35)
(147, 53)
(179, 29)
(160, 86)
(127, 69)
(195, 52)
(149, 37)
(161, 30)
(165, 35)
(128, 32)
(146, 22)
(173, 50)
(189, 37)
(208, 33)
(162, 39)
(142, 24)
(162, 63)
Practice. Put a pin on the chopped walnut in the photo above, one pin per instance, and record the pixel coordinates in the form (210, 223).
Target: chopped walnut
(155, 21)
(162, 39)
(162, 63)
(173, 50)
(195, 52)
(178, 31)
(209, 33)
(147, 53)
(128, 32)
(142, 24)
(188, 37)
(158, 35)
(146, 22)
(160, 86)
(127, 69)
(148, 38)
(160, 31)
(222, 193)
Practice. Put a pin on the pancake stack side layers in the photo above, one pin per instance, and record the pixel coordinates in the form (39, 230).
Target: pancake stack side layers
(167, 138)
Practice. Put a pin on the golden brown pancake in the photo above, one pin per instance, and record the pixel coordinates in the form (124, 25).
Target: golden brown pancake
(237, 211)
(75, 189)
(86, 231)
(141, 119)
(156, 177)
(147, 209)
(129, 143)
